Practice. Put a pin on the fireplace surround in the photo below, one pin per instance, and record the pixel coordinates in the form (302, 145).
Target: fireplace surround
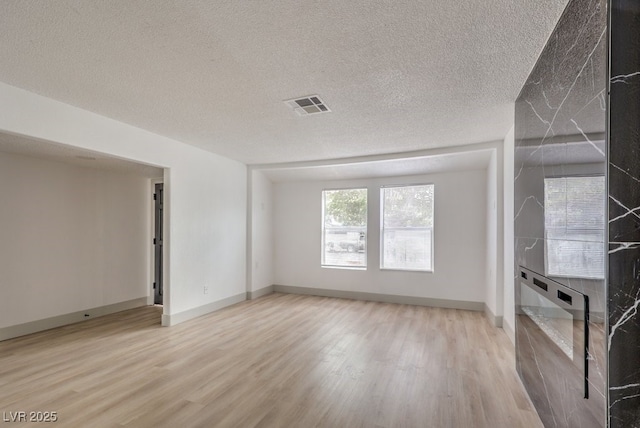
(577, 116)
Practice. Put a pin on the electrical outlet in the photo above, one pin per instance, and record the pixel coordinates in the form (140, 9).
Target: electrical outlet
(206, 290)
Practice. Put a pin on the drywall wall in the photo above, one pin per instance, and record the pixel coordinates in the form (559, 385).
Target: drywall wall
(460, 239)
(72, 238)
(261, 266)
(205, 196)
(508, 322)
(491, 228)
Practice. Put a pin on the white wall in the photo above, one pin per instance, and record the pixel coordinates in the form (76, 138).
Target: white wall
(205, 204)
(261, 275)
(459, 249)
(495, 242)
(509, 321)
(492, 236)
(72, 238)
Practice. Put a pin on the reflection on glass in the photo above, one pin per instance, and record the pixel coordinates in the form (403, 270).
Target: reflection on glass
(574, 221)
(554, 321)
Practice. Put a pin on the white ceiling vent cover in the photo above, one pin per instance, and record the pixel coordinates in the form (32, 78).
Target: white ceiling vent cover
(308, 105)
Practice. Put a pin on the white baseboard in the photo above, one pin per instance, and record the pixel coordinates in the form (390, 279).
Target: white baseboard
(384, 298)
(259, 293)
(66, 319)
(173, 319)
(495, 321)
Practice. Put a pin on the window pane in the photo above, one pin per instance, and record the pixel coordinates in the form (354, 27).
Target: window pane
(574, 220)
(407, 249)
(344, 233)
(410, 206)
(407, 227)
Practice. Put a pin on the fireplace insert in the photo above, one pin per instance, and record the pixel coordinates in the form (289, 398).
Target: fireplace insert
(552, 339)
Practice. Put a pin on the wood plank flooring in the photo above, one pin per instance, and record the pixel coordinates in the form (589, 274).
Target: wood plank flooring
(278, 361)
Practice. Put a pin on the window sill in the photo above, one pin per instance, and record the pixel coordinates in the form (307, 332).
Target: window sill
(344, 267)
(406, 270)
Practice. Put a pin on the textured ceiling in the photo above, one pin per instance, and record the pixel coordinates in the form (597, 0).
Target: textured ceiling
(398, 75)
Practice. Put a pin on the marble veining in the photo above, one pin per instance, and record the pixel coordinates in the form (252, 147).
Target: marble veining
(628, 315)
(621, 246)
(624, 78)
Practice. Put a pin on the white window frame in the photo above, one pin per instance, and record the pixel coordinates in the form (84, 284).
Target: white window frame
(383, 229)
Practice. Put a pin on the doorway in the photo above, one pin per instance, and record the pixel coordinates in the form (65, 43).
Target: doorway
(158, 198)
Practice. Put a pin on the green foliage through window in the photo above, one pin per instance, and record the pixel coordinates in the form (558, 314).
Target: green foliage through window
(409, 206)
(347, 207)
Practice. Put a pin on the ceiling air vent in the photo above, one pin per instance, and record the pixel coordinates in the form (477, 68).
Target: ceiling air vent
(308, 105)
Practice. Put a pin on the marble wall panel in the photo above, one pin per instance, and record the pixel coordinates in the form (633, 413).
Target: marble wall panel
(624, 214)
(560, 131)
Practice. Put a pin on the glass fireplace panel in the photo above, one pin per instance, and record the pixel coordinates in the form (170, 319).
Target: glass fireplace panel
(552, 332)
(553, 321)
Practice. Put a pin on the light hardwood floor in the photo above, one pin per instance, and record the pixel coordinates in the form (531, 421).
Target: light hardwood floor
(281, 360)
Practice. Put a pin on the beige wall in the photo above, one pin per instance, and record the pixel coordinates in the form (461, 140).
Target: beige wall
(71, 238)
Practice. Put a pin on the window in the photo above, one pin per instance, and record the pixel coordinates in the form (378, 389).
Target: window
(407, 227)
(344, 228)
(574, 219)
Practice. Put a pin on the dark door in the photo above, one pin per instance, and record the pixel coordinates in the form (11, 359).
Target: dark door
(157, 244)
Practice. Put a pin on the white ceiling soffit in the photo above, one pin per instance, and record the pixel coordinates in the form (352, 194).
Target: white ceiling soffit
(418, 165)
(20, 145)
(399, 75)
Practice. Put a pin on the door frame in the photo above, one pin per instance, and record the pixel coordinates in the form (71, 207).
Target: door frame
(165, 243)
(158, 235)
